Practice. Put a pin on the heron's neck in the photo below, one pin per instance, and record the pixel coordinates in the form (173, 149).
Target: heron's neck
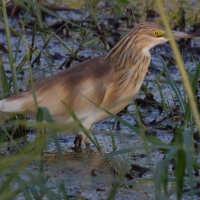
(129, 53)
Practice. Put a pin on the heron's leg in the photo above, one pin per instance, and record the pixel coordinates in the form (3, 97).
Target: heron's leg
(81, 137)
(78, 140)
(87, 140)
(117, 123)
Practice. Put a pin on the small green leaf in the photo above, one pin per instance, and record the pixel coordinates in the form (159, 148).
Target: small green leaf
(173, 85)
(24, 60)
(4, 81)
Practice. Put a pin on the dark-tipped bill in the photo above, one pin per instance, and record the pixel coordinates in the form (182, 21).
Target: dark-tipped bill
(178, 34)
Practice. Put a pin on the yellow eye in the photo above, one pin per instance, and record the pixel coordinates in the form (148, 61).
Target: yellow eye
(155, 33)
(158, 33)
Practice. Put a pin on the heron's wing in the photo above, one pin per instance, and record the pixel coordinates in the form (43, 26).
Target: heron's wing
(88, 79)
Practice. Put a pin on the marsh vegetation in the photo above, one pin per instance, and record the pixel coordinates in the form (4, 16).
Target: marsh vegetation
(155, 152)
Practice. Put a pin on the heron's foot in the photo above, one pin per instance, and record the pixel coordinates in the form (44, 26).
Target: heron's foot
(78, 143)
(77, 149)
(78, 140)
(88, 148)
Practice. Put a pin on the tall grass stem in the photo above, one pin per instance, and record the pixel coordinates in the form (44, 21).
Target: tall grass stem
(180, 65)
(10, 51)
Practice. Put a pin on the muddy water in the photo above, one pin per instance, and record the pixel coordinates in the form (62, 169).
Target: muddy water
(86, 174)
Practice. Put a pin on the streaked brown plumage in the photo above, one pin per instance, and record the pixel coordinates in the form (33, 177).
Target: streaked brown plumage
(110, 81)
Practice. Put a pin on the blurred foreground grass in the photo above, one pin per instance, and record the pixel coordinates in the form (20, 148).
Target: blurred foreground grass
(181, 149)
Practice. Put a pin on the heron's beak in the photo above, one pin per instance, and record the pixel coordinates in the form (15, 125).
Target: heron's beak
(179, 35)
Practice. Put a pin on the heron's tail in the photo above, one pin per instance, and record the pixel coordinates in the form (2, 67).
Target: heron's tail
(11, 106)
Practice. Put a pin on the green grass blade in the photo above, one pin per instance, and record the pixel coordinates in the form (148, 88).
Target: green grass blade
(10, 52)
(4, 81)
(42, 8)
(80, 125)
(20, 37)
(63, 191)
(162, 97)
(150, 137)
(161, 174)
(180, 162)
(23, 188)
(173, 85)
(194, 81)
(189, 152)
(180, 65)
(114, 147)
(46, 114)
(196, 77)
(91, 41)
(24, 60)
(7, 134)
(47, 117)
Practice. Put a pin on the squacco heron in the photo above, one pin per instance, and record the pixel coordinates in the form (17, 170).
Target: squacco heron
(108, 82)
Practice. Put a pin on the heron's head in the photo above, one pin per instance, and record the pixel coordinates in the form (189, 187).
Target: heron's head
(137, 42)
(147, 35)
(135, 46)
